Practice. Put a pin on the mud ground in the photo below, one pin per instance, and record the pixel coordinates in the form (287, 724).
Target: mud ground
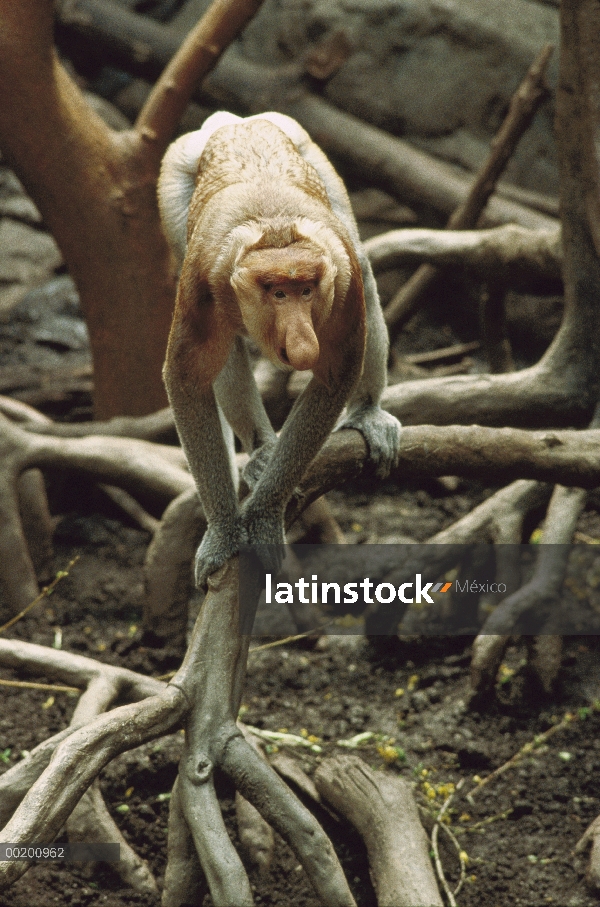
(518, 832)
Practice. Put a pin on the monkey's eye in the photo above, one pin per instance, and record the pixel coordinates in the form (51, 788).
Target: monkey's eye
(306, 291)
(279, 294)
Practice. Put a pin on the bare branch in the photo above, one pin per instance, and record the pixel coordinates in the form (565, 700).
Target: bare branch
(523, 105)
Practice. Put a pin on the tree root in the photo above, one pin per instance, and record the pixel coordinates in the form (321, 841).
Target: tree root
(37, 787)
(51, 781)
(90, 822)
(497, 519)
(38, 527)
(212, 676)
(103, 684)
(542, 591)
(144, 469)
(591, 839)
(256, 836)
(168, 579)
(207, 690)
(382, 809)
(158, 473)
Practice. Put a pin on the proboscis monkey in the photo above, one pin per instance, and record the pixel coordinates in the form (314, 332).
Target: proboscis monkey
(262, 228)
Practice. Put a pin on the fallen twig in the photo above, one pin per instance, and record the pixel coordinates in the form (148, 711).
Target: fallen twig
(46, 591)
(525, 750)
(29, 685)
(436, 855)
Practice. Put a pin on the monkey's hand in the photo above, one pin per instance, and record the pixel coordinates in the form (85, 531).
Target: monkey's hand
(217, 546)
(264, 531)
(381, 431)
(257, 463)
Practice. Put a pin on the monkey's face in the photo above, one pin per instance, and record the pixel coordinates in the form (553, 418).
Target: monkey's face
(285, 295)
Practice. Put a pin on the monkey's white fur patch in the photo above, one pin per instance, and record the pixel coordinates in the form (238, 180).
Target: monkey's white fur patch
(178, 178)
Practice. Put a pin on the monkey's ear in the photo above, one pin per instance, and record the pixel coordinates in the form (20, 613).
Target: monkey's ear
(236, 246)
(243, 282)
(327, 286)
(333, 247)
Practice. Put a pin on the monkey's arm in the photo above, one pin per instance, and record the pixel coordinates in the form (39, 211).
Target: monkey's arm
(189, 370)
(379, 428)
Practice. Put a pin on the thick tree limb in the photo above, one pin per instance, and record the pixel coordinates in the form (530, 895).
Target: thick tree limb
(499, 455)
(96, 189)
(517, 256)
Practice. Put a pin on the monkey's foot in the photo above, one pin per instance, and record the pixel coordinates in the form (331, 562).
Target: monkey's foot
(215, 549)
(257, 463)
(381, 431)
(265, 533)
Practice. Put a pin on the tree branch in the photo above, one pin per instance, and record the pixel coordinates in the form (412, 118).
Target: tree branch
(511, 253)
(199, 53)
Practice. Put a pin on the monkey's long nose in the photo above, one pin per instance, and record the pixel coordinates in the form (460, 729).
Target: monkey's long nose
(301, 344)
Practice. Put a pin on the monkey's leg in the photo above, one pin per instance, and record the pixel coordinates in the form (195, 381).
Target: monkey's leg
(307, 427)
(380, 429)
(238, 397)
